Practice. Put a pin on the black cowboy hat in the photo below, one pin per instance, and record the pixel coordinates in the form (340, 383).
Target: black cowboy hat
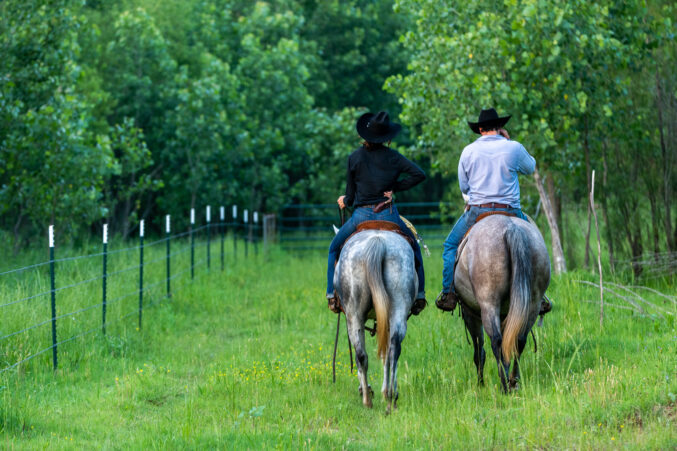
(377, 128)
(488, 118)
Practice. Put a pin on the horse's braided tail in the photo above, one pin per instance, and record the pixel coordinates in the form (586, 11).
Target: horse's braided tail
(374, 261)
(520, 292)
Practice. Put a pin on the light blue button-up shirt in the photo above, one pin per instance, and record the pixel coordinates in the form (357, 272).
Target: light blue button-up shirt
(488, 168)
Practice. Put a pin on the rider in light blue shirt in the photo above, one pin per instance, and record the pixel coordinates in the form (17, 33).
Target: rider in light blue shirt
(487, 174)
(488, 168)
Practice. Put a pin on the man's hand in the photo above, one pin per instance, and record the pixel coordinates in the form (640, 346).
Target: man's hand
(504, 133)
(340, 202)
(389, 195)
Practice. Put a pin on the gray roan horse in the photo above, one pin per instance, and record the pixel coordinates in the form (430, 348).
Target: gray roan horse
(376, 272)
(502, 273)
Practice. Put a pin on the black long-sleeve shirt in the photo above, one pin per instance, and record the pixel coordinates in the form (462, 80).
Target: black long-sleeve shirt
(373, 171)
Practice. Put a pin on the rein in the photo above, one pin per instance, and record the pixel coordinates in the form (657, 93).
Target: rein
(372, 332)
(338, 322)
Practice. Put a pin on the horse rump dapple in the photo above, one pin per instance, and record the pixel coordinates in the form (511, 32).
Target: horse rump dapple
(502, 273)
(376, 272)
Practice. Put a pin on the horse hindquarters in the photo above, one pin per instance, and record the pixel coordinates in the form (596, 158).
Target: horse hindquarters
(377, 270)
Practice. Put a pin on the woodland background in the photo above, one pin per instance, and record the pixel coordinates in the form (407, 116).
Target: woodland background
(113, 111)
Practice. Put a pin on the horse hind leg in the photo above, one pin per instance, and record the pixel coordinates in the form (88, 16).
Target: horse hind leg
(492, 324)
(474, 326)
(356, 334)
(398, 330)
(386, 377)
(515, 371)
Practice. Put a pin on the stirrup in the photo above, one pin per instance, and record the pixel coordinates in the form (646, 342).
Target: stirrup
(446, 301)
(419, 305)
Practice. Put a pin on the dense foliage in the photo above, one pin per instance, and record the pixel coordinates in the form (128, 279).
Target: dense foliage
(589, 88)
(113, 111)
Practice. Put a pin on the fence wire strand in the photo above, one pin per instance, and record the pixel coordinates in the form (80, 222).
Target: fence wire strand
(218, 228)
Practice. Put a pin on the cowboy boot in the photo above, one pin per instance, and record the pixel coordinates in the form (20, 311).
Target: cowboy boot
(419, 304)
(446, 301)
(333, 303)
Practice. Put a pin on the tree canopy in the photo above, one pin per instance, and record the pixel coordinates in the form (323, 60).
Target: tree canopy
(113, 111)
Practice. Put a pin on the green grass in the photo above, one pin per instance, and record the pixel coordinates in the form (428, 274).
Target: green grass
(242, 359)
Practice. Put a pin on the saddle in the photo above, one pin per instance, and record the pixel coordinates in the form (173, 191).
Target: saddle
(487, 214)
(376, 224)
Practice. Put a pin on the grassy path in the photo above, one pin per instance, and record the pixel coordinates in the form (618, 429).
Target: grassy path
(242, 359)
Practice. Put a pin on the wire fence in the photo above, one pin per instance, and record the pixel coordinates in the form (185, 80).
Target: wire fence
(304, 227)
(46, 305)
(653, 265)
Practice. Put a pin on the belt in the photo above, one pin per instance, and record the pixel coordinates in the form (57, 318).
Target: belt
(379, 207)
(492, 205)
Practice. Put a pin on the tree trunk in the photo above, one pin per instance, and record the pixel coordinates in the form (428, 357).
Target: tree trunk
(557, 253)
(605, 212)
(667, 170)
(655, 219)
(555, 201)
(586, 148)
(17, 232)
(633, 233)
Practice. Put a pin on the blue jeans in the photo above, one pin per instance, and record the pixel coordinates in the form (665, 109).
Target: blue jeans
(362, 214)
(456, 235)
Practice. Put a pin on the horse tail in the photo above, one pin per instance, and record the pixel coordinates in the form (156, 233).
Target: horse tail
(520, 291)
(374, 260)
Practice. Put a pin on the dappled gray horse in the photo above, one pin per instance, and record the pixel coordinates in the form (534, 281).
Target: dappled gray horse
(376, 272)
(502, 273)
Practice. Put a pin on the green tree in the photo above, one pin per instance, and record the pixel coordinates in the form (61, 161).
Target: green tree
(53, 163)
(544, 61)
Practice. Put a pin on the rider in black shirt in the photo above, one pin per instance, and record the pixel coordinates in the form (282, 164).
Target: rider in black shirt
(372, 177)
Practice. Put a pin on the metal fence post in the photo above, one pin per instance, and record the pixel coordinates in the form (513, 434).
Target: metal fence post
(192, 244)
(234, 231)
(140, 272)
(222, 226)
(105, 277)
(209, 233)
(257, 229)
(245, 216)
(167, 231)
(52, 278)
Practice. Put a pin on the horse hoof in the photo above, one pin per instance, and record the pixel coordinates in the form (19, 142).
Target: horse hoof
(371, 392)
